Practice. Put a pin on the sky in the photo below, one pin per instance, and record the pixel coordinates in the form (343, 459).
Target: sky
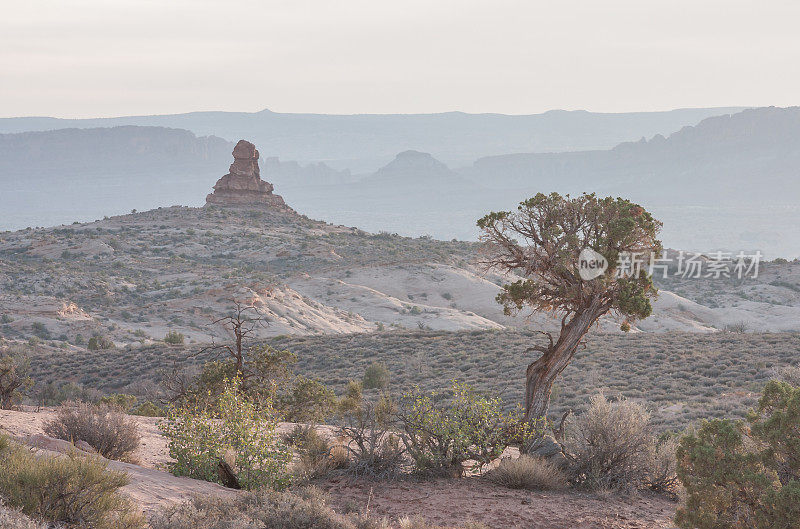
(94, 58)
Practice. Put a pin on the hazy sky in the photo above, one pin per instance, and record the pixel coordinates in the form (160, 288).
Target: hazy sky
(82, 58)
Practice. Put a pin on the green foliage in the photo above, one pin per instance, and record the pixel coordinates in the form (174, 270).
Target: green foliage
(235, 430)
(174, 338)
(440, 436)
(308, 401)
(99, 342)
(14, 379)
(121, 401)
(79, 492)
(745, 475)
(376, 376)
(553, 231)
(148, 409)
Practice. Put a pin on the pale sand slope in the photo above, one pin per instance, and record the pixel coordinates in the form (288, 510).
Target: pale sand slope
(448, 503)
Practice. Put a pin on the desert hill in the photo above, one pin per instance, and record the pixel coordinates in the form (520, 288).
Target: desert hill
(133, 278)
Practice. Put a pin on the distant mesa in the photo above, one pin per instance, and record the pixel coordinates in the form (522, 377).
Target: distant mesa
(243, 186)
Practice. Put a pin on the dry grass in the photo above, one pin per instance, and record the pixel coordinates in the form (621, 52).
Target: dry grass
(104, 428)
(528, 473)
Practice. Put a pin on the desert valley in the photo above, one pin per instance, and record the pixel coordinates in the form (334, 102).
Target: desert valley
(418, 265)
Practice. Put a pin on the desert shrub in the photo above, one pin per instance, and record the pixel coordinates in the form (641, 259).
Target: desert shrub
(76, 491)
(148, 409)
(306, 509)
(528, 473)
(14, 379)
(789, 374)
(440, 436)
(98, 342)
(234, 430)
(611, 446)
(745, 475)
(14, 519)
(55, 394)
(104, 428)
(120, 401)
(317, 457)
(376, 376)
(174, 338)
(373, 449)
(308, 400)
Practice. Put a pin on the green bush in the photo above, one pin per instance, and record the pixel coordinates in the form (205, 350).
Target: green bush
(307, 401)
(232, 428)
(148, 409)
(174, 338)
(306, 509)
(99, 342)
(376, 376)
(741, 475)
(108, 431)
(14, 379)
(441, 436)
(121, 401)
(76, 491)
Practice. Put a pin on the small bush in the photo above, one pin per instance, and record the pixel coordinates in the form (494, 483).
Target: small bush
(308, 401)
(14, 379)
(317, 456)
(741, 476)
(233, 430)
(148, 409)
(120, 401)
(374, 450)
(376, 376)
(106, 430)
(306, 509)
(610, 446)
(77, 491)
(440, 436)
(174, 338)
(99, 342)
(528, 473)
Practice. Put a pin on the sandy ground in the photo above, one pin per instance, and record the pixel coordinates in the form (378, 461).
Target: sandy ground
(446, 502)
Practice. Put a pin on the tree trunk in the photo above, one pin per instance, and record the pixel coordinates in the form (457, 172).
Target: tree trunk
(542, 373)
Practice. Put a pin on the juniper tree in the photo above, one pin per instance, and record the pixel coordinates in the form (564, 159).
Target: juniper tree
(540, 243)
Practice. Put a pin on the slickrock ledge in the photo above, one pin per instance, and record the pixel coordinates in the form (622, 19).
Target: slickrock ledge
(243, 186)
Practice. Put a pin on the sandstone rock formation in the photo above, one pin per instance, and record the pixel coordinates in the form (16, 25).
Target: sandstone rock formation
(243, 186)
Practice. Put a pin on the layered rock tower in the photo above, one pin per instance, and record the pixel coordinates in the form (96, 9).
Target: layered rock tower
(243, 186)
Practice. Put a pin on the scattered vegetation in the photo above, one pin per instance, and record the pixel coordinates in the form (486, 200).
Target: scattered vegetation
(78, 492)
(264, 509)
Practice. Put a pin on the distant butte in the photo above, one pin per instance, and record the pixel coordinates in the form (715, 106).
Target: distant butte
(243, 186)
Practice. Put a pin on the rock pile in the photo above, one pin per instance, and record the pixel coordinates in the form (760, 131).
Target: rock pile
(243, 186)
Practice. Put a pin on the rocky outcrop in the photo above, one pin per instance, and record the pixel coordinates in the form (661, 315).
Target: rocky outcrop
(243, 186)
